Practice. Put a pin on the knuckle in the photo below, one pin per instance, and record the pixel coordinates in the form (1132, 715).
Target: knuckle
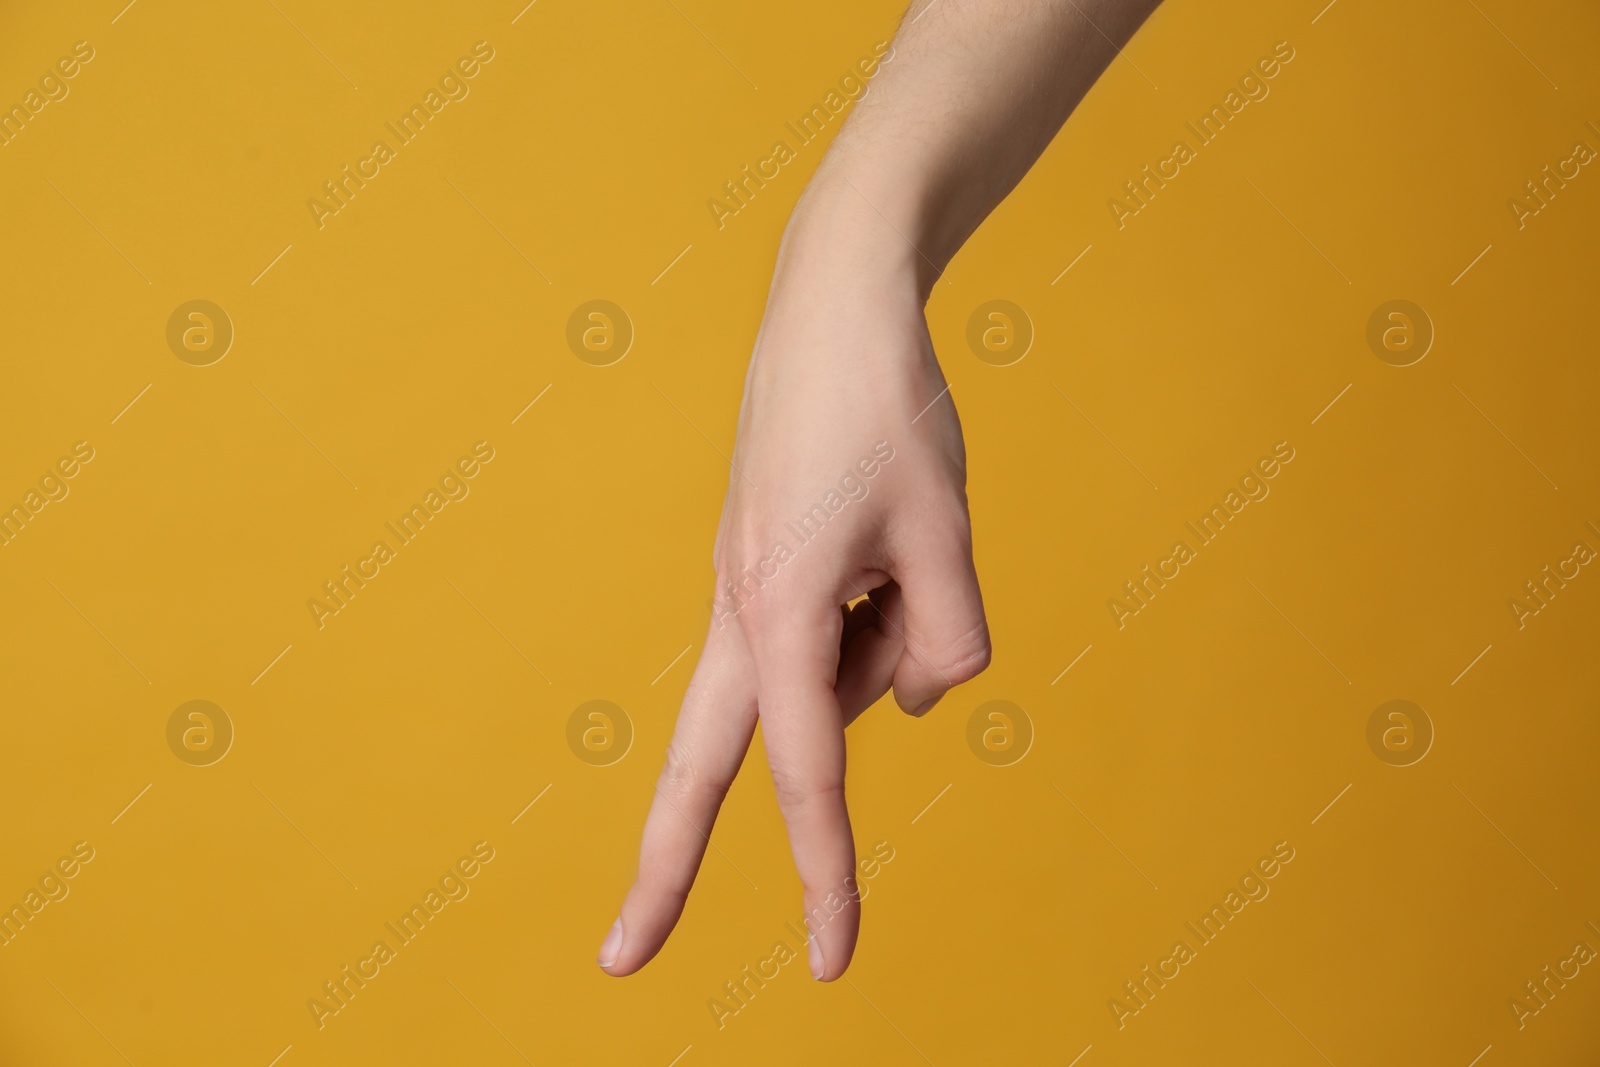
(796, 793)
(677, 771)
(743, 587)
(682, 778)
(967, 655)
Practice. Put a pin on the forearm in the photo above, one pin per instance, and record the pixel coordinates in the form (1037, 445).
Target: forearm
(972, 94)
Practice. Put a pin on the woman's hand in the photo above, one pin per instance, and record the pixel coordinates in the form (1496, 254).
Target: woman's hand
(848, 486)
(849, 473)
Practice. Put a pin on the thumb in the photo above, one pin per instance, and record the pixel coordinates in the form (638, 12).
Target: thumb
(946, 634)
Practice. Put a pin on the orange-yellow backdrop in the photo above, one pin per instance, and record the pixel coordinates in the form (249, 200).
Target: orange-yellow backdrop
(374, 346)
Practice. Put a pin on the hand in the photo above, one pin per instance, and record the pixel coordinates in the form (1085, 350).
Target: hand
(846, 419)
(849, 486)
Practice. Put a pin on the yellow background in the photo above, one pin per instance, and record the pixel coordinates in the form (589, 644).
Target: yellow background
(1221, 720)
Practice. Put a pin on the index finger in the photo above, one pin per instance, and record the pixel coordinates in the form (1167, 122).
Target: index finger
(708, 744)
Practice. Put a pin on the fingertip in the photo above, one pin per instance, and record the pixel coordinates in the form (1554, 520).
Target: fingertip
(919, 701)
(829, 964)
(611, 949)
(644, 922)
(627, 947)
(832, 944)
(829, 973)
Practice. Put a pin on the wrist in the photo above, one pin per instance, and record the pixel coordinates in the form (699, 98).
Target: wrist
(865, 231)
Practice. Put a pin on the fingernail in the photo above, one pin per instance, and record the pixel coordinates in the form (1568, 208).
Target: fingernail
(611, 947)
(818, 968)
(925, 707)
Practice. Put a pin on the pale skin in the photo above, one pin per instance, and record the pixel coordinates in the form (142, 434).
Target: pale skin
(969, 96)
